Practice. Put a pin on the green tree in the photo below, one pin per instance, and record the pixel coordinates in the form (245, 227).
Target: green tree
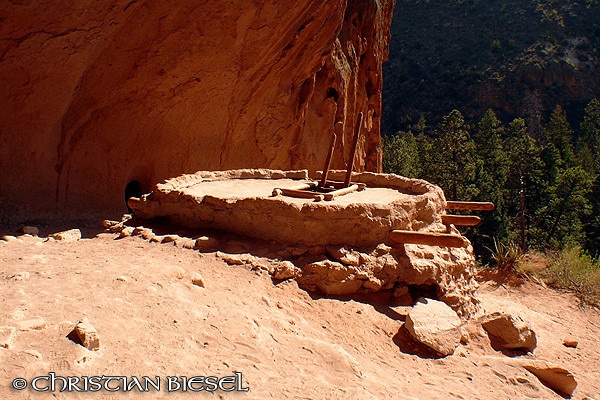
(525, 180)
(400, 155)
(455, 161)
(564, 215)
(592, 224)
(491, 176)
(560, 135)
(589, 137)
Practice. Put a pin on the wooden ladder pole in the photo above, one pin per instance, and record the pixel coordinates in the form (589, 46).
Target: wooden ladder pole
(328, 160)
(469, 205)
(353, 153)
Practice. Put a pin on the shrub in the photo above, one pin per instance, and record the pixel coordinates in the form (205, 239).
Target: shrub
(506, 256)
(577, 271)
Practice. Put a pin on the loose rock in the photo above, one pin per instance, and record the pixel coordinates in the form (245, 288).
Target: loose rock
(170, 239)
(72, 235)
(509, 332)
(185, 243)
(30, 230)
(205, 244)
(570, 343)
(107, 223)
(233, 259)
(285, 270)
(9, 238)
(126, 232)
(85, 335)
(198, 280)
(434, 324)
(554, 377)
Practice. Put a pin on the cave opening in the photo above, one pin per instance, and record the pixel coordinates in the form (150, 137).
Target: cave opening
(332, 93)
(429, 291)
(133, 189)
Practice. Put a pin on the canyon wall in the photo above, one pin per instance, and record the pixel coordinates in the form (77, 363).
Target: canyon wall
(96, 94)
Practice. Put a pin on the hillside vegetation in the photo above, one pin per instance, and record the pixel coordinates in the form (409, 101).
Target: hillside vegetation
(497, 101)
(520, 58)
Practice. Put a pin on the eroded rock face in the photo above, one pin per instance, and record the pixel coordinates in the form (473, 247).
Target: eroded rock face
(96, 94)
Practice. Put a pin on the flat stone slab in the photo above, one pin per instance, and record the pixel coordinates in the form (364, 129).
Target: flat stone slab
(242, 202)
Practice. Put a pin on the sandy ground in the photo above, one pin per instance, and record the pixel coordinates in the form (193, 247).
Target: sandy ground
(286, 343)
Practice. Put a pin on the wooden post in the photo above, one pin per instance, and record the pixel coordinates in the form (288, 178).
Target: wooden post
(329, 156)
(428, 238)
(353, 153)
(469, 205)
(460, 220)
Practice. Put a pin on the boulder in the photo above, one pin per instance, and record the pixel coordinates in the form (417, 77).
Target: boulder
(509, 332)
(434, 324)
(554, 377)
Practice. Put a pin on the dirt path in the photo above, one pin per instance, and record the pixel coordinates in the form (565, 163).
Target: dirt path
(153, 321)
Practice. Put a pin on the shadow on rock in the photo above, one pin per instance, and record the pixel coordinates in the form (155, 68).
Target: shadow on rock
(408, 345)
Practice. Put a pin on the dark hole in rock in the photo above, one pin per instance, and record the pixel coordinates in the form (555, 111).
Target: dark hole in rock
(133, 189)
(331, 92)
(429, 291)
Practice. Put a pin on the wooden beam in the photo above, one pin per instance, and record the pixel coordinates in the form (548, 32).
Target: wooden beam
(303, 186)
(469, 205)
(461, 220)
(304, 194)
(354, 145)
(329, 156)
(428, 238)
(352, 188)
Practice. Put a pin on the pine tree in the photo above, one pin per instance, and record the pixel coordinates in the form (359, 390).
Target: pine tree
(455, 162)
(564, 215)
(524, 179)
(400, 155)
(491, 176)
(560, 135)
(493, 168)
(592, 225)
(589, 136)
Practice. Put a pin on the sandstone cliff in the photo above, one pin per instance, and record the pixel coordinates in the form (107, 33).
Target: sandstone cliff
(96, 94)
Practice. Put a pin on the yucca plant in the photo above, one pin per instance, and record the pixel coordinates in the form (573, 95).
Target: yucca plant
(506, 255)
